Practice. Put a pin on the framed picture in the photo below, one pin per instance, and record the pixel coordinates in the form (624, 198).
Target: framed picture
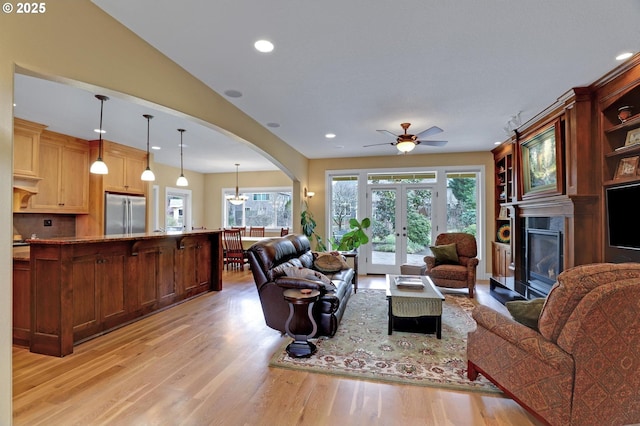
(627, 167)
(633, 137)
(541, 159)
(503, 213)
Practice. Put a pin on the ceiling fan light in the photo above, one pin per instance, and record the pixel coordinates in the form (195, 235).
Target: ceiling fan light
(405, 146)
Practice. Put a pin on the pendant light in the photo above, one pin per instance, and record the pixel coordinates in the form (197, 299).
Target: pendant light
(182, 181)
(237, 199)
(99, 167)
(148, 175)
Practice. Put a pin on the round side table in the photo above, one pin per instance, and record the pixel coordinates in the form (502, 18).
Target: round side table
(301, 347)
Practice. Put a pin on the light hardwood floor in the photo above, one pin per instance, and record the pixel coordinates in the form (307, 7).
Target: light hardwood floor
(205, 362)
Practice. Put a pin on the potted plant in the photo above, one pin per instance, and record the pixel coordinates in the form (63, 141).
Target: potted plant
(308, 228)
(356, 237)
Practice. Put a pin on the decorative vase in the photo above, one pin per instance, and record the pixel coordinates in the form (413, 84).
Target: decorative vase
(624, 113)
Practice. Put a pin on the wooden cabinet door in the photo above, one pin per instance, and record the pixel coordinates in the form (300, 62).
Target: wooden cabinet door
(21, 302)
(134, 166)
(48, 189)
(194, 259)
(125, 168)
(501, 260)
(203, 267)
(74, 178)
(111, 282)
(187, 278)
(86, 295)
(167, 291)
(26, 143)
(64, 168)
(114, 180)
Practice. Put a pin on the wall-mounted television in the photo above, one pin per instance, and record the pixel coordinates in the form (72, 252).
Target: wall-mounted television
(622, 217)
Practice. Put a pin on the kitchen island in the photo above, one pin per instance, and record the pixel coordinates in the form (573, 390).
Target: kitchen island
(84, 287)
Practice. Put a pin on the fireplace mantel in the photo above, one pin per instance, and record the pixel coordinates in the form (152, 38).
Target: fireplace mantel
(580, 244)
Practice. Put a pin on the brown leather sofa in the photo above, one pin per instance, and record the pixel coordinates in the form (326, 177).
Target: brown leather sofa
(269, 260)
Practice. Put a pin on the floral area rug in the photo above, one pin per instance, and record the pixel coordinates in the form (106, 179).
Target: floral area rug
(362, 348)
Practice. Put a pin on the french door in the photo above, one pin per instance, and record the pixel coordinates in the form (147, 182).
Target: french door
(177, 209)
(402, 231)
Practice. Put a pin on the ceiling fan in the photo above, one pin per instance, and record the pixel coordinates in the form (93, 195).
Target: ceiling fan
(406, 141)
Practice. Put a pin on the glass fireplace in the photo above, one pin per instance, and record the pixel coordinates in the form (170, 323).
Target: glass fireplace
(543, 258)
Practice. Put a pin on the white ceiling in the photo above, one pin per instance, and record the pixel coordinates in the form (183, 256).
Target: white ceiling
(350, 68)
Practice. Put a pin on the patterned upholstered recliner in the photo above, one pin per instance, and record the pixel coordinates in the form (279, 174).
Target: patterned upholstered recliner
(461, 275)
(583, 366)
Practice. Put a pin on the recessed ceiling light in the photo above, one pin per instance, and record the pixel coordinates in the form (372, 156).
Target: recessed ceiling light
(623, 56)
(233, 93)
(264, 46)
(99, 130)
(14, 104)
(273, 125)
(330, 135)
(157, 148)
(497, 143)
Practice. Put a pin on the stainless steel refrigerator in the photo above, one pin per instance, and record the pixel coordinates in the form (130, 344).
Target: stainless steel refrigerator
(124, 214)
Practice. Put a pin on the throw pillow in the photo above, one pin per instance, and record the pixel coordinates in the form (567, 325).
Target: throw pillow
(526, 312)
(310, 274)
(445, 253)
(330, 262)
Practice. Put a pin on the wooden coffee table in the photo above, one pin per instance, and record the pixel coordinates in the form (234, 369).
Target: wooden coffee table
(414, 296)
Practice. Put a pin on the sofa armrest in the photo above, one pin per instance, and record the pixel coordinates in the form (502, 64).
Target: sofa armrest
(522, 337)
(472, 263)
(430, 261)
(294, 282)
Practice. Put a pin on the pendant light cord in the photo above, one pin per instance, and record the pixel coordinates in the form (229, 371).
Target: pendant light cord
(181, 167)
(148, 117)
(102, 99)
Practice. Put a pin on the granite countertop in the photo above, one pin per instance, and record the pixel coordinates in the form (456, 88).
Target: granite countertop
(117, 237)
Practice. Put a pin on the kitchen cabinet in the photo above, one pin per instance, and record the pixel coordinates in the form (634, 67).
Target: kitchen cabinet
(125, 165)
(64, 168)
(99, 296)
(84, 287)
(26, 142)
(153, 270)
(21, 301)
(125, 168)
(194, 257)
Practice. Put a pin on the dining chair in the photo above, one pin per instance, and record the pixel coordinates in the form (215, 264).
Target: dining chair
(256, 231)
(235, 256)
(242, 229)
(284, 231)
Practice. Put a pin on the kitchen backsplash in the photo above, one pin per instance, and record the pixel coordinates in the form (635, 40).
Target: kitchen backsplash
(27, 224)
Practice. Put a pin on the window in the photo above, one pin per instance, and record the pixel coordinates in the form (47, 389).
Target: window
(268, 207)
(400, 177)
(344, 204)
(462, 193)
